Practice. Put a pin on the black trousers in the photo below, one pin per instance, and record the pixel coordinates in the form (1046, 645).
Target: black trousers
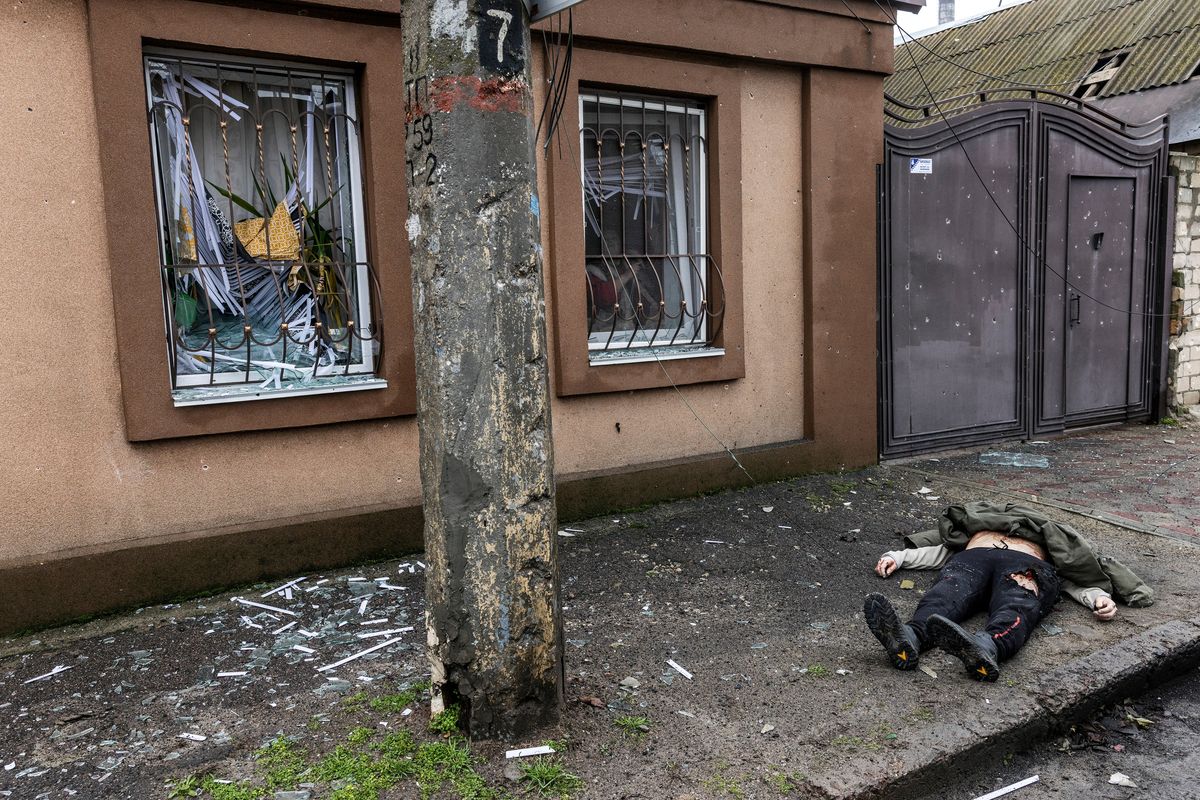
(981, 580)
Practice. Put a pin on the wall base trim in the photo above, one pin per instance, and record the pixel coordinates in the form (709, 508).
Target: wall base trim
(82, 584)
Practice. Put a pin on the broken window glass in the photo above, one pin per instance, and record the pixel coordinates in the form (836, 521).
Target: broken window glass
(651, 281)
(266, 282)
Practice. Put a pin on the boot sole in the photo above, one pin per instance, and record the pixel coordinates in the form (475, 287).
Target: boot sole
(886, 626)
(957, 642)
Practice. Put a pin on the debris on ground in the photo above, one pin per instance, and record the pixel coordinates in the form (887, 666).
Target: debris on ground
(1121, 779)
(1009, 789)
(1014, 460)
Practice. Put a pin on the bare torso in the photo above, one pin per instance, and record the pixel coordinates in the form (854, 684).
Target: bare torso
(1003, 541)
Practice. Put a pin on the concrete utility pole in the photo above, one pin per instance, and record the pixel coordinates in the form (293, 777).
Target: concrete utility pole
(487, 470)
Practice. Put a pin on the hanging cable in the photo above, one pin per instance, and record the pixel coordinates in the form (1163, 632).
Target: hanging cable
(1024, 243)
(1018, 84)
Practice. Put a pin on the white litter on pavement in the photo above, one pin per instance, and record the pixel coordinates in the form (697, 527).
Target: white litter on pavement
(1121, 779)
(276, 609)
(49, 674)
(193, 737)
(230, 674)
(376, 634)
(303, 649)
(543, 750)
(289, 585)
(359, 654)
(679, 669)
(1007, 789)
(290, 625)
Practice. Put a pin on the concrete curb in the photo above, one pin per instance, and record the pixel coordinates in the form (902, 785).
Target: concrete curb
(1063, 696)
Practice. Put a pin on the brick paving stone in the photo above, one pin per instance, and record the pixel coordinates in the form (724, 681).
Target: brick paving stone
(1128, 472)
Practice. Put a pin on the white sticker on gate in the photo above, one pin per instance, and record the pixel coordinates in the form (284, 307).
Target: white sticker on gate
(920, 166)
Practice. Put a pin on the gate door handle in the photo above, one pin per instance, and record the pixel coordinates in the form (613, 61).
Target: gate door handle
(1073, 303)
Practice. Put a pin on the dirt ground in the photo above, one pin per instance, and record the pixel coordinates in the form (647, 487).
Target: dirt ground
(757, 593)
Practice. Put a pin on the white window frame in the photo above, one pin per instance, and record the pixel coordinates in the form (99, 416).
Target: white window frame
(233, 386)
(621, 349)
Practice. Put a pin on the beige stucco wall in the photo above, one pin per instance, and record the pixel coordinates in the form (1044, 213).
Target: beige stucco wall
(72, 481)
(768, 404)
(72, 478)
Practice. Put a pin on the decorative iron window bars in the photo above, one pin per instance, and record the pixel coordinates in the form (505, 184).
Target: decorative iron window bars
(266, 283)
(651, 281)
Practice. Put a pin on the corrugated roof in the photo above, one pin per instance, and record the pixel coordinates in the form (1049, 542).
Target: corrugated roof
(1053, 44)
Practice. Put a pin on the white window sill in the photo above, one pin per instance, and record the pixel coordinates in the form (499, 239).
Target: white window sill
(243, 393)
(641, 355)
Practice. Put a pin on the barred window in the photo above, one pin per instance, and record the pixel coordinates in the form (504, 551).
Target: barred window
(266, 284)
(651, 281)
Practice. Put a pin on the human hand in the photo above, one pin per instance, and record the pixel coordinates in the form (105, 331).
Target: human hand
(885, 567)
(1104, 608)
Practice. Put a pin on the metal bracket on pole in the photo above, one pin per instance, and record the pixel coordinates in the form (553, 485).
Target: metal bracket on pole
(540, 9)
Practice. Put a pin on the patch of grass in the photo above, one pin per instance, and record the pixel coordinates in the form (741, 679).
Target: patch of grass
(395, 703)
(191, 786)
(853, 743)
(549, 778)
(445, 722)
(359, 735)
(363, 768)
(921, 714)
(355, 702)
(842, 488)
(1170, 422)
(558, 745)
(399, 744)
(786, 783)
(817, 671)
(233, 791)
(632, 726)
(283, 763)
(722, 784)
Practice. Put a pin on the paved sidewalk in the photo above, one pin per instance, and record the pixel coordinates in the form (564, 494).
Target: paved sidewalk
(1145, 476)
(756, 593)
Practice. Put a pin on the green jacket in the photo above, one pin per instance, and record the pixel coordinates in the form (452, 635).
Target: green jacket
(1073, 556)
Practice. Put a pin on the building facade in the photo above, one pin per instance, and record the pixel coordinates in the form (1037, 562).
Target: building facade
(208, 324)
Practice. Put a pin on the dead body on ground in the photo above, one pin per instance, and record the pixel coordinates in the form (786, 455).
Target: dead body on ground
(1006, 560)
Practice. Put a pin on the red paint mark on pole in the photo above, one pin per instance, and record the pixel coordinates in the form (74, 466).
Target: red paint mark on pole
(497, 94)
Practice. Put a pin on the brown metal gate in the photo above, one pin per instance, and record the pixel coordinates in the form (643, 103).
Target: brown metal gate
(1022, 274)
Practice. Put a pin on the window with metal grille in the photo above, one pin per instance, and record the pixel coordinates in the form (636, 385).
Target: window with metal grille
(266, 282)
(651, 282)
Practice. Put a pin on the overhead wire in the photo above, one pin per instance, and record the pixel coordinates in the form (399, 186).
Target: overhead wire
(964, 67)
(1024, 243)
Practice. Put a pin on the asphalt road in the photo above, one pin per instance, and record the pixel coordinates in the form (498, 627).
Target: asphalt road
(1154, 740)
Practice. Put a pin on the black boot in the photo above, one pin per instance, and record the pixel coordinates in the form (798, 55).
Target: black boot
(898, 639)
(977, 651)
